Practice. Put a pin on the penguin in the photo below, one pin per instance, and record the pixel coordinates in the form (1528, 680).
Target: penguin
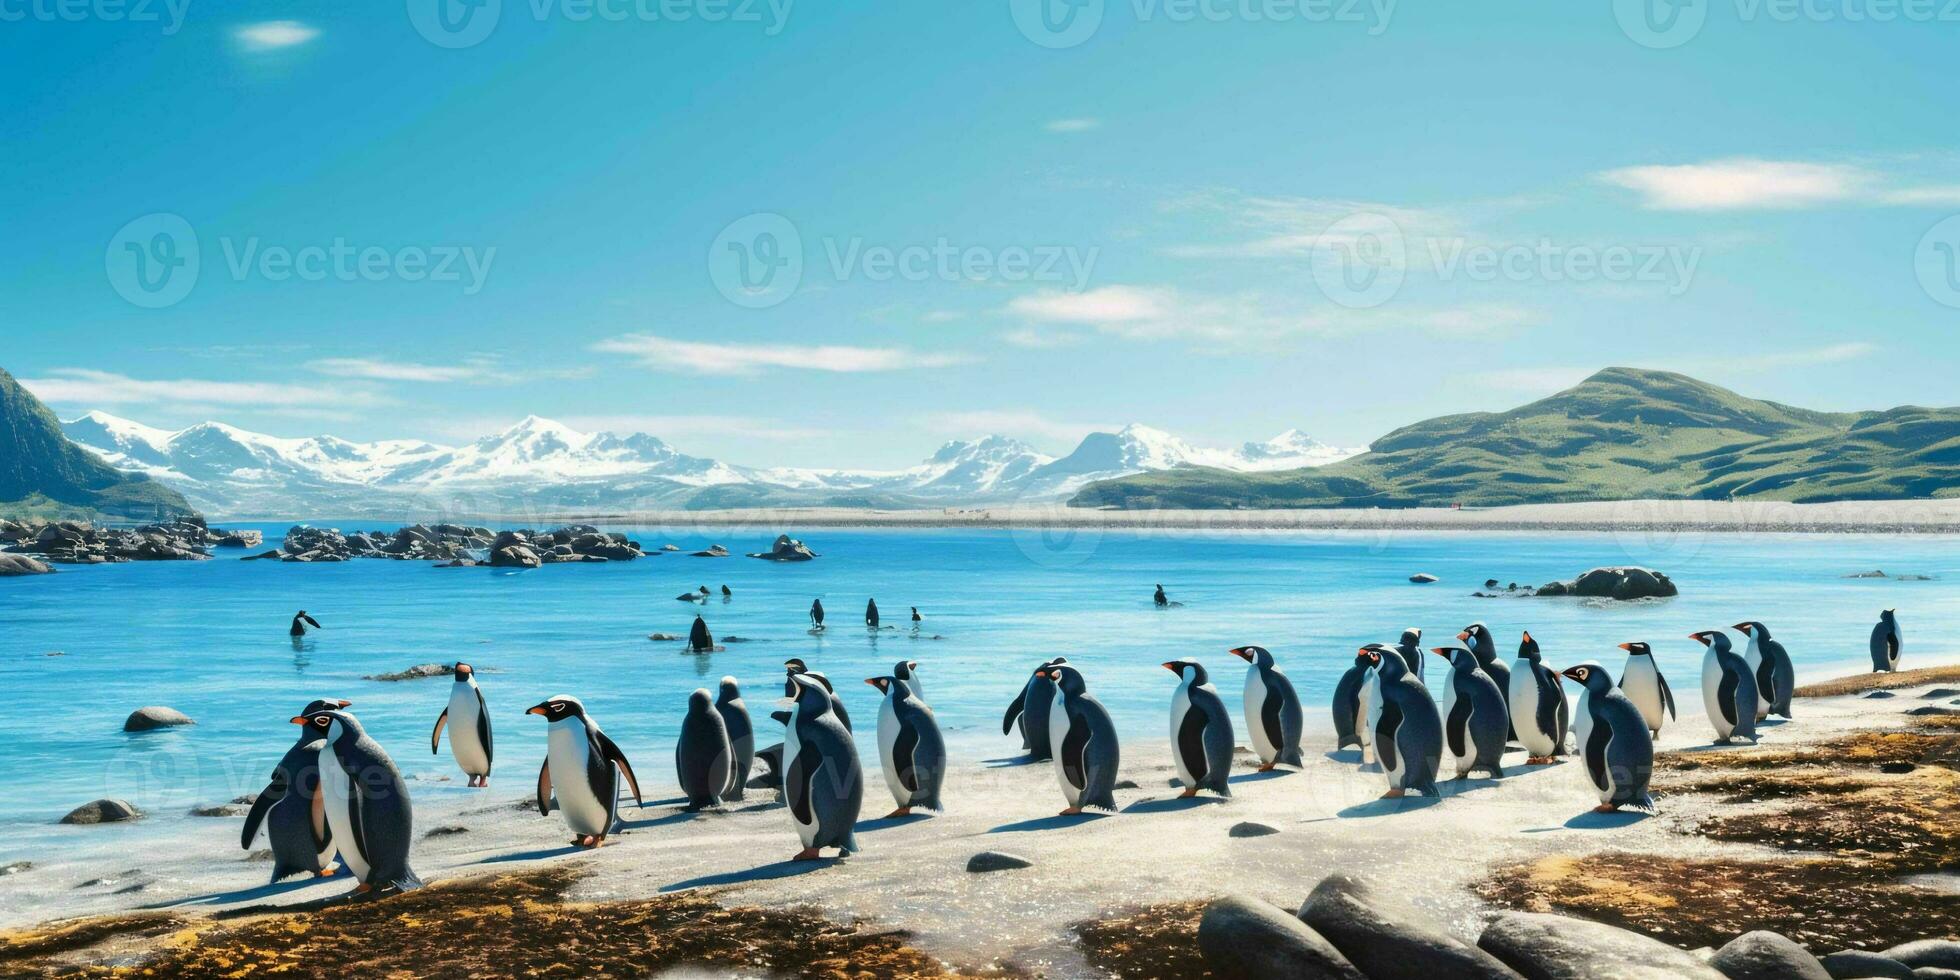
(699, 640)
(1160, 598)
(917, 620)
(289, 809)
(1728, 690)
(1474, 718)
(469, 732)
(1272, 710)
(1776, 676)
(1348, 715)
(1642, 683)
(703, 590)
(816, 614)
(1409, 732)
(581, 771)
(366, 802)
(1201, 731)
(1410, 647)
(300, 622)
(823, 784)
(908, 671)
(741, 738)
(871, 614)
(1540, 713)
(1367, 710)
(1030, 708)
(1886, 642)
(703, 757)
(688, 597)
(1082, 740)
(1484, 646)
(794, 667)
(726, 594)
(909, 746)
(1618, 750)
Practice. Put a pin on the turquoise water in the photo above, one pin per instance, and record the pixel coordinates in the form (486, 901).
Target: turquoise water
(210, 639)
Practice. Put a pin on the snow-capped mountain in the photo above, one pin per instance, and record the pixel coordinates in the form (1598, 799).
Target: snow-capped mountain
(540, 464)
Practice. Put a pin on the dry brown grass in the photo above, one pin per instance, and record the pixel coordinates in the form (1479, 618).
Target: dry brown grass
(1157, 941)
(1880, 682)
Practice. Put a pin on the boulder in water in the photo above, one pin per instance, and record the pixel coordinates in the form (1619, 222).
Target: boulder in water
(13, 564)
(1422, 578)
(154, 717)
(785, 548)
(102, 811)
(1619, 582)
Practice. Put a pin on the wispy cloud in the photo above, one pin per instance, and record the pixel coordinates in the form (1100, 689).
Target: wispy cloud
(744, 359)
(1076, 125)
(1744, 183)
(1098, 307)
(1011, 422)
(377, 369)
(274, 34)
(1162, 313)
(1281, 227)
(82, 387)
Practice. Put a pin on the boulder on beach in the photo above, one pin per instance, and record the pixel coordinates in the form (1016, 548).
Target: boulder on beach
(1248, 828)
(1934, 954)
(986, 861)
(102, 811)
(1765, 955)
(786, 548)
(1618, 582)
(1392, 941)
(1554, 947)
(1852, 963)
(14, 564)
(1243, 937)
(153, 717)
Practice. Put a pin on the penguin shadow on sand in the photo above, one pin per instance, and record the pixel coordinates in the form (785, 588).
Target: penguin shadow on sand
(1256, 776)
(1057, 822)
(1012, 762)
(539, 854)
(1173, 804)
(1593, 820)
(767, 872)
(886, 823)
(1390, 807)
(268, 890)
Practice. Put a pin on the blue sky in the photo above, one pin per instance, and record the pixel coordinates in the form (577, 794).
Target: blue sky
(1222, 219)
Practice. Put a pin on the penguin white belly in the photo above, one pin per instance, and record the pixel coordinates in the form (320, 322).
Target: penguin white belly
(1754, 658)
(792, 748)
(1605, 773)
(464, 745)
(1368, 711)
(1180, 706)
(566, 753)
(1449, 709)
(1711, 696)
(1057, 737)
(1255, 716)
(1641, 684)
(1524, 710)
(888, 728)
(1397, 771)
(337, 791)
(1582, 720)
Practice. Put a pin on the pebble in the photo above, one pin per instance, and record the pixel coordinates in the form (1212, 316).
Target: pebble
(1250, 829)
(153, 717)
(102, 811)
(996, 861)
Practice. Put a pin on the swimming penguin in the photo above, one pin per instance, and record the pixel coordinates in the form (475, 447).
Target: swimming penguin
(366, 802)
(823, 784)
(1474, 718)
(289, 806)
(1539, 711)
(581, 771)
(1477, 637)
(816, 613)
(1201, 730)
(908, 671)
(1160, 598)
(699, 640)
(917, 620)
(909, 746)
(1410, 647)
(469, 731)
(726, 594)
(1348, 713)
(795, 667)
(1030, 709)
(741, 737)
(1082, 740)
(703, 590)
(871, 614)
(1642, 683)
(300, 622)
(1776, 676)
(1728, 690)
(1618, 750)
(1272, 710)
(703, 757)
(1409, 732)
(1886, 642)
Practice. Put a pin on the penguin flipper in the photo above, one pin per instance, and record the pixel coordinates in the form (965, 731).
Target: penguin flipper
(483, 733)
(609, 750)
(1667, 695)
(261, 805)
(435, 737)
(1014, 709)
(544, 788)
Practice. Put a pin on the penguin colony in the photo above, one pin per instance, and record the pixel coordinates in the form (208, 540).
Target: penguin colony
(336, 798)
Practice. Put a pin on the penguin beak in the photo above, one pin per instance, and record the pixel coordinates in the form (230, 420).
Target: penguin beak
(1171, 665)
(1442, 652)
(1463, 635)
(1626, 646)
(1527, 636)
(1701, 638)
(1240, 652)
(1744, 627)
(536, 709)
(1044, 675)
(877, 682)
(298, 719)
(1568, 672)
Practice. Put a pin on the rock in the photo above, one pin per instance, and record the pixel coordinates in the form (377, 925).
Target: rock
(1935, 973)
(515, 556)
(662, 637)
(1933, 710)
(1553, 947)
(1248, 828)
(996, 861)
(13, 564)
(449, 830)
(1125, 784)
(414, 673)
(222, 810)
(154, 717)
(1422, 578)
(240, 539)
(1874, 573)
(1939, 692)
(670, 547)
(1618, 582)
(1764, 955)
(785, 548)
(1391, 942)
(102, 811)
(264, 556)
(713, 551)
(1246, 938)
(1878, 695)
(459, 563)
(1896, 768)
(15, 867)
(1940, 953)
(1854, 963)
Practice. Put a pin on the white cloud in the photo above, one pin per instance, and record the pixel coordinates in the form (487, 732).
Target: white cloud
(273, 34)
(1021, 423)
(1279, 227)
(1743, 183)
(377, 369)
(83, 387)
(1159, 313)
(1079, 125)
(1832, 354)
(1107, 305)
(743, 359)
(1037, 339)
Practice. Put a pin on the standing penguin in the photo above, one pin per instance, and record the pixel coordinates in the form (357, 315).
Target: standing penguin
(917, 620)
(1409, 733)
(1728, 690)
(908, 671)
(290, 808)
(1539, 711)
(699, 640)
(726, 593)
(1484, 646)
(300, 622)
(366, 802)
(1030, 709)
(1348, 715)
(1272, 710)
(1201, 731)
(1642, 683)
(1082, 739)
(794, 667)
(469, 727)
(1776, 676)
(582, 769)
(703, 757)
(823, 784)
(1474, 717)
(1618, 750)
(1410, 647)
(871, 614)
(909, 746)
(1886, 642)
(741, 738)
(816, 614)
(1160, 598)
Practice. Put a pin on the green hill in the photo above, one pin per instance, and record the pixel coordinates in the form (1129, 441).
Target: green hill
(43, 475)
(1621, 434)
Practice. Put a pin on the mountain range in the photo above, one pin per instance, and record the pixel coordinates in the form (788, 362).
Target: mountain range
(1622, 434)
(43, 474)
(540, 464)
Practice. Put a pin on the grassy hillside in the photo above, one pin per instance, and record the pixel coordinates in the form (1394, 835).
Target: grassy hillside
(1621, 434)
(44, 475)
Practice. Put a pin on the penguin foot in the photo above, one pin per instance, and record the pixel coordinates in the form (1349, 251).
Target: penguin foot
(1606, 808)
(327, 873)
(1268, 767)
(1189, 792)
(1070, 812)
(1394, 794)
(1540, 760)
(904, 811)
(808, 854)
(363, 888)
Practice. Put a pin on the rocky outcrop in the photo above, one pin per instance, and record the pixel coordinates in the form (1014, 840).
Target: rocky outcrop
(102, 811)
(1390, 941)
(1764, 955)
(242, 538)
(712, 551)
(154, 717)
(1246, 938)
(414, 673)
(12, 565)
(1554, 947)
(786, 548)
(80, 543)
(1620, 582)
(461, 546)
